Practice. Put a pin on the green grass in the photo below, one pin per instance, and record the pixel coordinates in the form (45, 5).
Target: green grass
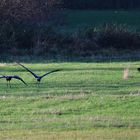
(83, 101)
(78, 18)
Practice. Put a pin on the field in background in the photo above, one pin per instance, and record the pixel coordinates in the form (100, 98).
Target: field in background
(83, 101)
(79, 18)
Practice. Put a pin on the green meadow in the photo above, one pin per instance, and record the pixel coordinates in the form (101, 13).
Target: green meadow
(81, 18)
(82, 101)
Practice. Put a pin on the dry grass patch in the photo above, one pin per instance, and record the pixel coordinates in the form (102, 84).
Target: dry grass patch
(2, 64)
(96, 134)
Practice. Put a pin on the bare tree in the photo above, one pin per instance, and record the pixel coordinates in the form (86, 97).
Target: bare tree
(24, 20)
(27, 10)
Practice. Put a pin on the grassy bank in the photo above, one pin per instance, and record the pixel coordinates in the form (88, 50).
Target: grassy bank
(78, 18)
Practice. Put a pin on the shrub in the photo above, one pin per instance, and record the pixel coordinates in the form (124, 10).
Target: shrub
(118, 37)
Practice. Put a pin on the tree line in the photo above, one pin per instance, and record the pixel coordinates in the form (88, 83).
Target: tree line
(22, 21)
(28, 28)
(101, 4)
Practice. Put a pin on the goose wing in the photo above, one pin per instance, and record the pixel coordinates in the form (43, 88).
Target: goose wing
(19, 78)
(36, 76)
(2, 77)
(49, 73)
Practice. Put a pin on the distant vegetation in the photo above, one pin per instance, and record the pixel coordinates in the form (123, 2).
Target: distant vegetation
(32, 28)
(106, 40)
(81, 18)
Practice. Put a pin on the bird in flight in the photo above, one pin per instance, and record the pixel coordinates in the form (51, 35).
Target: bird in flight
(10, 77)
(38, 78)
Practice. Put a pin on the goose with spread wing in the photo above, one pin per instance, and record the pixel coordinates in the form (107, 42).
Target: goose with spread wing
(10, 77)
(37, 77)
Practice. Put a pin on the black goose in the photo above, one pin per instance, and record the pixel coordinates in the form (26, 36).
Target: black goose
(38, 78)
(10, 77)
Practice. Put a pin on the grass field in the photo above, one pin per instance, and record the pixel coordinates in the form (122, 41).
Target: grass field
(78, 18)
(83, 101)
